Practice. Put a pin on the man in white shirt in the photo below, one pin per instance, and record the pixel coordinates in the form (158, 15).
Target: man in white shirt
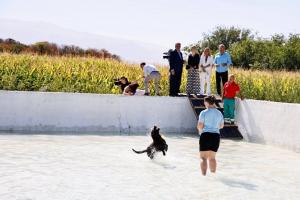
(150, 73)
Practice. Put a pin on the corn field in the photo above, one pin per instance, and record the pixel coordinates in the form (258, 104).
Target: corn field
(91, 75)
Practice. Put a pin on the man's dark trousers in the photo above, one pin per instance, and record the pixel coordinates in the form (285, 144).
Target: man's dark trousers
(176, 64)
(175, 82)
(221, 76)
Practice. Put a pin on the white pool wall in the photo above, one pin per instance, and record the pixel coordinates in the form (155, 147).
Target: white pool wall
(259, 121)
(270, 123)
(40, 111)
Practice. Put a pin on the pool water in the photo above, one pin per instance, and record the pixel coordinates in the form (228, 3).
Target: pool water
(92, 167)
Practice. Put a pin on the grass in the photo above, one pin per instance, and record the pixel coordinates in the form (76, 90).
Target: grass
(90, 75)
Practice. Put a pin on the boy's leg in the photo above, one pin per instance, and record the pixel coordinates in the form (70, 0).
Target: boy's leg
(231, 109)
(226, 109)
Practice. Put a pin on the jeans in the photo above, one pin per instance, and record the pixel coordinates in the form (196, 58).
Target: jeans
(221, 76)
(155, 75)
(229, 106)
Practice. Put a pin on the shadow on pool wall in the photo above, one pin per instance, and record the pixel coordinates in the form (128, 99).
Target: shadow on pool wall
(259, 121)
(270, 123)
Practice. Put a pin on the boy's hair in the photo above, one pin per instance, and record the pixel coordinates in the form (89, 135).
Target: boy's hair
(210, 100)
(143, 64)
(231, 75)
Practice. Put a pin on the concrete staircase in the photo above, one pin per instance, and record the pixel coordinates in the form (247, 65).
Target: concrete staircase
(229, 130)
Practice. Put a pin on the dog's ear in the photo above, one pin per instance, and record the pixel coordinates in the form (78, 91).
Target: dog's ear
(158, 129)
(155, 127)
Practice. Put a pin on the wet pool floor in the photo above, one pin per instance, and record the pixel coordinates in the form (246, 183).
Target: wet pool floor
(83, 167)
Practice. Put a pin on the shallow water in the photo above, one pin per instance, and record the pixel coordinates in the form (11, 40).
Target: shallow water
(80, 167)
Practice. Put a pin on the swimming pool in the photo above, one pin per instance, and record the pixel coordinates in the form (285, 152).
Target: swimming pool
(80, 167)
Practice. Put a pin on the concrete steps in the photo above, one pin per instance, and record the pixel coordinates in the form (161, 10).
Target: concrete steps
(229, 131)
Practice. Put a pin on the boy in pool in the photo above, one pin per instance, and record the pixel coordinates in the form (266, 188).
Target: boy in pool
(230, 91)
(209, 125)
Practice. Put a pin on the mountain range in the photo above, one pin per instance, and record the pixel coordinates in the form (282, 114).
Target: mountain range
(129, 50)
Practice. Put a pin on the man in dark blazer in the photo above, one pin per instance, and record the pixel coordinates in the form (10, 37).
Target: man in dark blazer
(176, 64)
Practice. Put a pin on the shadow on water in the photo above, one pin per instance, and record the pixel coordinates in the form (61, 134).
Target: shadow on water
(238, 184)
(164, 165)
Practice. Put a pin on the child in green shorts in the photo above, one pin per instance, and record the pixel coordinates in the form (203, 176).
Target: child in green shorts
(230, 91)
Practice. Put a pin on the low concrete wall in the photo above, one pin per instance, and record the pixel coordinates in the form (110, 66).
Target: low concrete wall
(259, 121)
(270, 123)
(47, 112)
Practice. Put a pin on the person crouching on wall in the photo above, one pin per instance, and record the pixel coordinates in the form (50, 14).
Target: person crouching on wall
(132, 89)
(230, 91)
(150, 73)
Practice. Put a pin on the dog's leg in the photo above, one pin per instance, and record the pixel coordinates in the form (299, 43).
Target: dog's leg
(150, 152)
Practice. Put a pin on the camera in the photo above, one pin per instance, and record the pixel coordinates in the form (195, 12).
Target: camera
(117, 81)
(166, 55)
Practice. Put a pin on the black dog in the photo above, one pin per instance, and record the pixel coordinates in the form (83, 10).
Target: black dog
(158, 144)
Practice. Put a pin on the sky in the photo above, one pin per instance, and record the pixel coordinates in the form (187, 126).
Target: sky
(162, 22)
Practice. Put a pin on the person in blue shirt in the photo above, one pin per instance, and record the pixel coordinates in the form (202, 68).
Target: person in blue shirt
(210, 122)
(222, 62)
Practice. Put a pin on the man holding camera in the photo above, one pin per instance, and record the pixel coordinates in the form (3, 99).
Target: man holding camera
(176, 64)
(222, 62)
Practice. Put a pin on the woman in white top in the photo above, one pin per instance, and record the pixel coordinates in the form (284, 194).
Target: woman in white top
(206, 64)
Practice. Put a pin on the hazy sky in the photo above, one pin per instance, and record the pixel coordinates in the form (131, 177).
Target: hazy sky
(158, 21)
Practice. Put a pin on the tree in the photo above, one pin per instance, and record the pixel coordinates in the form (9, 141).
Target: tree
(291, 52)
(222, 35)
(243, 53)
(52, 49)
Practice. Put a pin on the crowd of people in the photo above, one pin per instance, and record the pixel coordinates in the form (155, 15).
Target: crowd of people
(199, 70)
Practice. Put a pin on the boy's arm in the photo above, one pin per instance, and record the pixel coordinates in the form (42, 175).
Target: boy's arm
(239, 93)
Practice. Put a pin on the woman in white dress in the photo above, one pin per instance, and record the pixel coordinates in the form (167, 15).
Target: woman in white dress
(206, 64)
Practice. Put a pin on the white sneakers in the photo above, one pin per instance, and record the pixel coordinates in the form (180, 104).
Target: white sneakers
(228, 121)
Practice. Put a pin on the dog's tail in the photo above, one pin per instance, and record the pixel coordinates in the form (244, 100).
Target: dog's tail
(144, 151)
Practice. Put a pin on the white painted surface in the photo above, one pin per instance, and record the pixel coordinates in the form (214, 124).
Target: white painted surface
(68, 167)
(47, 112)
(270, 123)
(259, 121)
